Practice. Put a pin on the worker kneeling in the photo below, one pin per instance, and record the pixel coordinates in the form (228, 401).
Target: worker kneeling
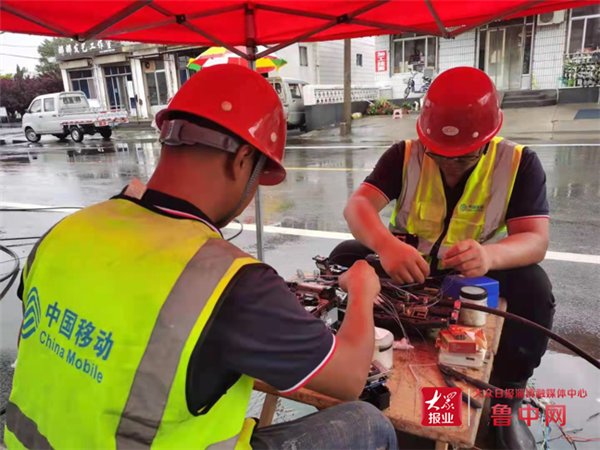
(143, 327)
(467, 201)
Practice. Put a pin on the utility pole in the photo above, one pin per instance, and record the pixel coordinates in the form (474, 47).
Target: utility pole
(346, 125)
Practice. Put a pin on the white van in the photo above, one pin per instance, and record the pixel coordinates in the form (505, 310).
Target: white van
(68, 113)
(291, 95)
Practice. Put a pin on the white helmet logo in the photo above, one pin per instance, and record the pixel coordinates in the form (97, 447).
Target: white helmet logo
(450, 130)
(273, 137)
(226, 106)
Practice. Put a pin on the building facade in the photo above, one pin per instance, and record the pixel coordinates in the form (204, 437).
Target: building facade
(141, 78)
(547, 51)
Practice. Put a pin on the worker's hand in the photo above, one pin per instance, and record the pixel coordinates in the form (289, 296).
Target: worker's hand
(403, 263)
(360, 281)
(468, 257)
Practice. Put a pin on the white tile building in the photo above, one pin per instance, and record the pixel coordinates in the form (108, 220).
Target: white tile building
(526, 53)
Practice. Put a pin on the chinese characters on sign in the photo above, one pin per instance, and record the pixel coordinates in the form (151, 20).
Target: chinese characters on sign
(441, 406)
(86, 49)
(381, 61)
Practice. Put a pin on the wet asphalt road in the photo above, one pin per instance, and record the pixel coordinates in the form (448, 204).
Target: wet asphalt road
(318, 184)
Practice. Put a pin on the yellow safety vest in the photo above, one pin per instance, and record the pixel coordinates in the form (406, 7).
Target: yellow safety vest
(115, 302)
(479, 214)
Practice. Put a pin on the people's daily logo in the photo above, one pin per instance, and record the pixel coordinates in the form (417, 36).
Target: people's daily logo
(32, 314)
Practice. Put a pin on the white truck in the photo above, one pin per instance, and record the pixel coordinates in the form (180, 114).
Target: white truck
(68, 113)
(292, 98)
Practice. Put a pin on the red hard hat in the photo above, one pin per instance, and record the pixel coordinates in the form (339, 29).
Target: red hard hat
(241, 101)
(461, 112)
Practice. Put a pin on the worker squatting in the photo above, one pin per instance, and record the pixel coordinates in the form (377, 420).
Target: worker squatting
(70, 356)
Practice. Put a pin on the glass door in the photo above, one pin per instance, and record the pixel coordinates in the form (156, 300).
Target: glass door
(504, 62)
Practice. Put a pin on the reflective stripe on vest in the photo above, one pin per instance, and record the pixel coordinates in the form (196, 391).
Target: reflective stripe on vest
(481, 210)
(139, 401)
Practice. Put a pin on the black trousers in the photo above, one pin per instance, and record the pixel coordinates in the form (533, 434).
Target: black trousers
(528, 294)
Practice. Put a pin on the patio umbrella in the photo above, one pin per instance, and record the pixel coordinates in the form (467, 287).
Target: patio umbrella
(221, 55)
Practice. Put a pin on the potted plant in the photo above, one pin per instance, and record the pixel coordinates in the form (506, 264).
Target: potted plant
(406, 107)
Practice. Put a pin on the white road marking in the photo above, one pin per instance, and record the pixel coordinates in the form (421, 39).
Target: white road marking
(372, 146)
(335, 235)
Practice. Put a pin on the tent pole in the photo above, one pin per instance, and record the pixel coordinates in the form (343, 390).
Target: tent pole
(251, 52)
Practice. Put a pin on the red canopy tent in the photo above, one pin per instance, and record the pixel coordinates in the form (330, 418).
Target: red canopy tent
(278, 23)
(260, 22)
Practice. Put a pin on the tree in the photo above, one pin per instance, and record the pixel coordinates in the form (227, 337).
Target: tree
(21, 72)
(48, 50)
(19, 91)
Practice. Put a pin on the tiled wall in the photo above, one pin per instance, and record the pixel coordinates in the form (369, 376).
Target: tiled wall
(548, 50)
(457, 52)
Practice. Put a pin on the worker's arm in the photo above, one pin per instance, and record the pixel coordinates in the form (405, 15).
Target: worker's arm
(526, 244)
(345, 374)
(401, 261)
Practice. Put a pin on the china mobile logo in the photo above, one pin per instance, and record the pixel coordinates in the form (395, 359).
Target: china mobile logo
(441, 406)
(32, 314)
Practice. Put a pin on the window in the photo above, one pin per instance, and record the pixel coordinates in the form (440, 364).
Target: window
(36, 107)
(586, 11)
(296, 90)
(303, 56)
(584, 30)
(82, 80)
(156, 81)
(412, 50)
(359, 59)
(48, 104)
(116, 78)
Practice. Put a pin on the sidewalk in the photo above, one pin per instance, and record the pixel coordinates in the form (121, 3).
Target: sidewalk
(526, 125)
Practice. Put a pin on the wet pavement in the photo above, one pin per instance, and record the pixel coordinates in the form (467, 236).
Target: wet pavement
(320, 179)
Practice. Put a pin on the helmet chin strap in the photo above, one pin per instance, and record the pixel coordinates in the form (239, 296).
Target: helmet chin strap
(250, 185)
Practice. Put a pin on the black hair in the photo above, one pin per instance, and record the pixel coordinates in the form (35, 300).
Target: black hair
(202, 122)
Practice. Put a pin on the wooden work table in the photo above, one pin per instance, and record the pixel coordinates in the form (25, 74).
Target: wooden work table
(413, 369)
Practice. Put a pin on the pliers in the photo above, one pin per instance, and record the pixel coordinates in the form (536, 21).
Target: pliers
(450, 374)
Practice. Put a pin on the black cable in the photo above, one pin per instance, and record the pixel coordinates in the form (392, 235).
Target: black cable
(12, 275)
(19, 238)
(239, 232)
(529, 323)
(43, 208)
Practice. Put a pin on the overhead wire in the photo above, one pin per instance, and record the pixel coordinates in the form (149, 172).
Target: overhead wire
(11, 276)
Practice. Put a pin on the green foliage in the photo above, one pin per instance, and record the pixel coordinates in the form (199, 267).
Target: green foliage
(381, 107)
(18, 92)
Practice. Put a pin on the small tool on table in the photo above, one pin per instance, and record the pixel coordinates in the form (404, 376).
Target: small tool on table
(450, 374)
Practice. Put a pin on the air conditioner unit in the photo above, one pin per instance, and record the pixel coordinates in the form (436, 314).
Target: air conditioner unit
(551, 18)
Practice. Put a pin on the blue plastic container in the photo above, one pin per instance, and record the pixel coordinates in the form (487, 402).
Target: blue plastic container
(453, 283)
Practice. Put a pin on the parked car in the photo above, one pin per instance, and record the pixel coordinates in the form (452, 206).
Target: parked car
(292, 97)
(68, 113)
